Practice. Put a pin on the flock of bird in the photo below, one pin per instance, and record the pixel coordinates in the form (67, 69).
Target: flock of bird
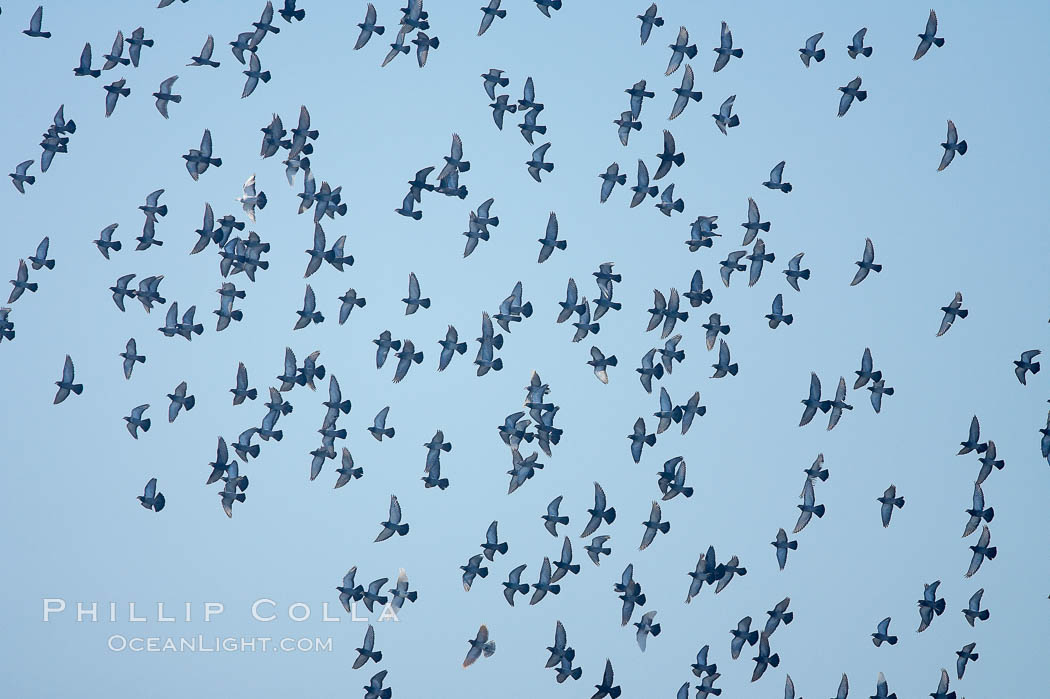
(535, 424)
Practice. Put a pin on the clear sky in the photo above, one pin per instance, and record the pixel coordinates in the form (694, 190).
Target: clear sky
(73, 529)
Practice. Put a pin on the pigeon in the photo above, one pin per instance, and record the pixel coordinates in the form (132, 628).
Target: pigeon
(423, 45)
(779, 614)
(646, 627)
(450, 346)
(981, 551)
(726, 51)
(105, 241)
(164, 95)
(544, 585)
(197, 161)
(601, 364)
(754, 224)
(973, 609)
(723, 366)
(965, 655)
(545, 6)
(714, 327)
(810, 51)
(65, 384)
(19, 177)
(135, 44)
(951, 146)
(731, 264)
(878, 390)
(513, 585)
(866, 263)
(813, 403)
(758, 258)
(857, 47)
(882, 634)
(131, 357)
(668, 203)
(882, 690)
(742, 634)
(665, 413)
(289, 12)
(653, 525)
(639, 93)
(368, 27)
(379, 428)
(701, 666)
(250, 199)
(1021, 368)
(347, 471)
(642, 189)
(396, 48)
(849, 91)
(626, 123)
(598, 513)
(39, 260)
(668, 157)
(639, 438)
(928, 38)
(549, 242)
(114, 91)
(366, 652)
(610, 178)
(649, 20)
(393, 523)
(670, 353)
(776, 176)
(489, 13)
(889, 500)
(135, 420)
(782, 545)
(697, 295)
(725, 119)
(679, 50)
(179, 400)
(606, 688)
(808, 508)
(764, 659)
(204, 59)
(952, 311)
(988, 462)
(551, 520)
(838, 404)
(684, 93)
(866, 372)
(150, 498)
(309, 313)
(34, 25)
(241, 391)
(413, 302)
(83, 69)
(597, 547)
(794, 272)
(245, 42)
(537, 164)
(650, 370)
(929, 605)
(255, 73)
(406, 356)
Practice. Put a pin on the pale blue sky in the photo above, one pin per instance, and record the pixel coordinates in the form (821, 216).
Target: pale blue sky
(67, 501)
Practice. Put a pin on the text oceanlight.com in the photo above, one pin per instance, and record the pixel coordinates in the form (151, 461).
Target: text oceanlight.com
(217, 644)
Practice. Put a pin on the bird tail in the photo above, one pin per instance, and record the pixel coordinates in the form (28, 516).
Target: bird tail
(818, 511)
(278, 435)
(658, 371)
(819, 55)
(938, 42)
(497, 342)
(653, 191)
(792, 545)
(389, 432)
(299, 15)
(497, 364)
(237, 315)
(690, 51)
(961, 148)
(786, 187)
(425, 303)
(774, 660)
(733, 121)
(733, 368)
(788, 319)
(737, 53)
(990, 553)
(253, 394)
(983, 614)
(190, 402)
(678, 206)
(938, 607)
(145, 424)
(261, 202)
(526, 311)
(265, 76)
(862, 95)
(963, 313)
(609, 516)
(989, 514)
(416, 215)
(402, 529)
(76, 388)
(650, 439)
(253, 451)
(876, 268)
(71, 126)
(664, 527)
(679, 159)
(561, 245)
